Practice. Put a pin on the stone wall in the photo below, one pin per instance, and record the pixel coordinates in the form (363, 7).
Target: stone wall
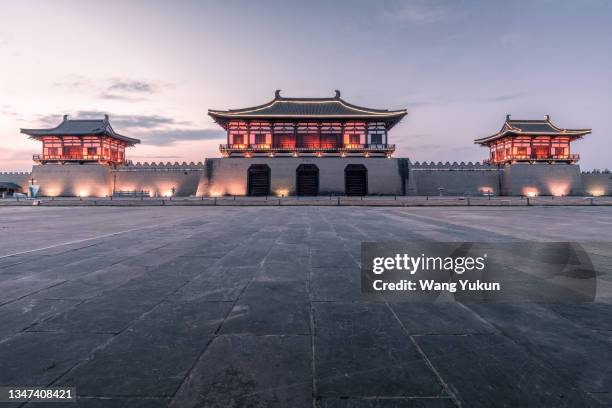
(229, 175)
(19, 178)
(67, 180)
(542, 179)
(454, 179)
(217, 176)
(159, 179)
(597, 183)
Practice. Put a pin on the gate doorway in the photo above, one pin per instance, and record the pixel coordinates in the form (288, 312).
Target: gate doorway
(307, 180)
(258, 180)
(356, 180)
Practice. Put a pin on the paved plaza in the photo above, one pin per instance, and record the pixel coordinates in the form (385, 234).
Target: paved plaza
(261, 307)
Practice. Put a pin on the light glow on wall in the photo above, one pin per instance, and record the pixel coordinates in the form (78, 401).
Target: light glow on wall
(282, 192)
(596, 193)
(530, 191)
(559, 189)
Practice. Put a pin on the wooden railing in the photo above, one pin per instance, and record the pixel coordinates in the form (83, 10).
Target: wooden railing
(73, 157)
(562, 158)
(291, 148)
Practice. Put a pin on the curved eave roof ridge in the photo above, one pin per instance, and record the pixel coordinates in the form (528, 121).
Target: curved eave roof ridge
(105, 129)
(254, 109)
(561, 132)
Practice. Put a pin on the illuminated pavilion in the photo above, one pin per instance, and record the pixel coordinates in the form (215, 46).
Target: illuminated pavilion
(307, 127)
(81, 141)
(531, 141)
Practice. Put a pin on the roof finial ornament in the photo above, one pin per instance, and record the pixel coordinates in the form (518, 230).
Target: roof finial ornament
(547, 117)
(508, 117)
(277, 94)
(337, 95)
(65, 118)
(106, 117)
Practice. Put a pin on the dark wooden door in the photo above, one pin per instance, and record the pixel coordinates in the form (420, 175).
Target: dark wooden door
(356, 180)
(259, 180)
(307, 180)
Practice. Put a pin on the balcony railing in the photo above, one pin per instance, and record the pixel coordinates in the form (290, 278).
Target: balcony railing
(236, 148)
(73, 157)
(522, 158)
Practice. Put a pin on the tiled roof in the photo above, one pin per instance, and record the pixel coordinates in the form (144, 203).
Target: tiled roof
(330, 108)
(532, 127)
(81, 127)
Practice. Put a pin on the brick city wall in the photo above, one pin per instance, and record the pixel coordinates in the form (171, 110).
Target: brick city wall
(542, 179)
(453, 179)
(228, 176)
(597, 183)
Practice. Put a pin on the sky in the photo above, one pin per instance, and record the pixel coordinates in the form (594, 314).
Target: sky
(156, 67)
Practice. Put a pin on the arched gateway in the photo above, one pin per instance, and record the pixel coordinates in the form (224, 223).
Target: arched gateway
(307, 180)
(258, 180)
(355, 180)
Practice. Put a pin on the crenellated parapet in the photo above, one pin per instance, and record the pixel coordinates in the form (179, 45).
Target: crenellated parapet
(454, 166)
(596, 171)
(160, 166)
(15, 173)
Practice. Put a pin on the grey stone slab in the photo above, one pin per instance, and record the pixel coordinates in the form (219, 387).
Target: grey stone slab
(272, 271)
(113, 310)
(248, 253)
(332, 259)
(37, 359)
(492, 370)
(289, 253)
(604, 398)
(183, 268)
(268, 308)
(17, 288)
(251, 371)
(439, 318)
(441, 402)
(596, 316)
(21, 314)
(362, 351)
(154, 257)
(563, 344)
(152, 357)
(218, 284)
(218, 250)
(336, 284)
(92, 284)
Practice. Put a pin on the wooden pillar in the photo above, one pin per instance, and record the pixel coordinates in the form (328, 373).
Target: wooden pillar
(248, 141)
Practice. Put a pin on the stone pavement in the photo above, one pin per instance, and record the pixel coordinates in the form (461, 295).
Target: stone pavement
(261, 307)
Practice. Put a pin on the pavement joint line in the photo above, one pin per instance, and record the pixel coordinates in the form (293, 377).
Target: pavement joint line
(313, 325)
(445, 386)
(103, 346)
(229, 312)
(419, 350)
(94, 238)
(32, 293)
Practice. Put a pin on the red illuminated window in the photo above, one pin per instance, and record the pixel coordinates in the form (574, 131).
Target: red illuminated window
(260, 139)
